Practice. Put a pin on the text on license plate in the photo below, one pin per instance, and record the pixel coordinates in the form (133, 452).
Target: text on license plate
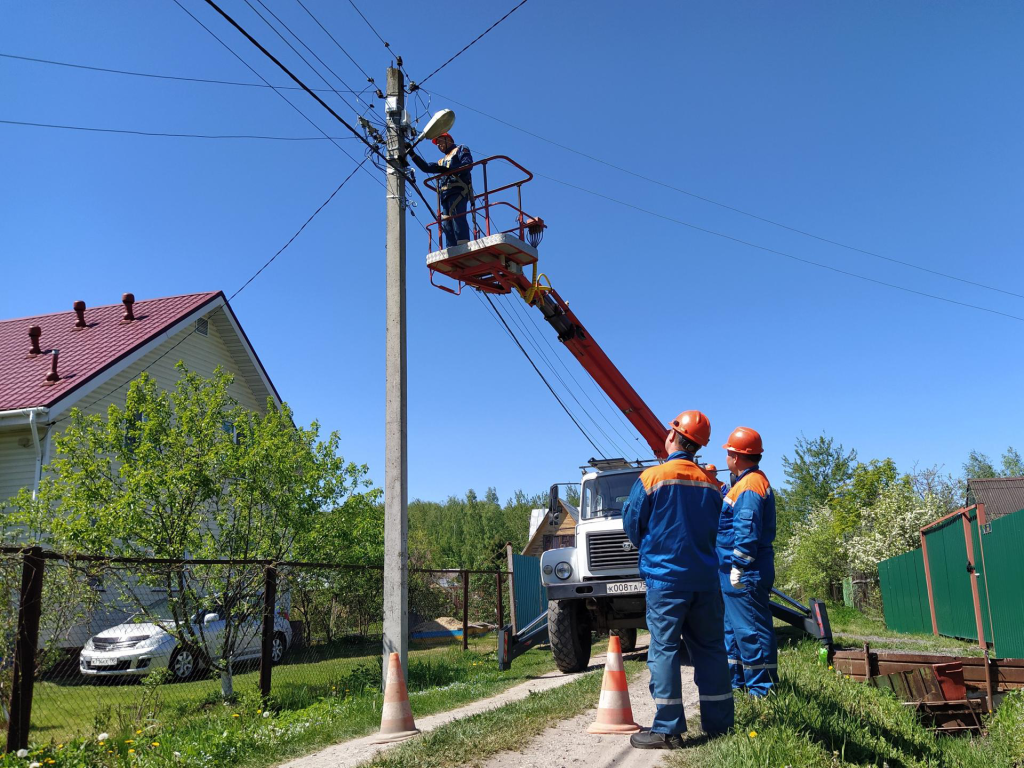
(627, 588)
(104, 662)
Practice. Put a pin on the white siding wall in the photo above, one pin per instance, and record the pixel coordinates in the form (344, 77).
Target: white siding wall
(17, 463)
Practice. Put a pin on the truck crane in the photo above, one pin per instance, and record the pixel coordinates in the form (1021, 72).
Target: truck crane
(595, 585)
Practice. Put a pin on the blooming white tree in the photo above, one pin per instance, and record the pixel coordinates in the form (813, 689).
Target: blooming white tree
(890, 526)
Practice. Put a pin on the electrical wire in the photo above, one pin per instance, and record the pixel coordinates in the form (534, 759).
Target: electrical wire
(512, 336)
(176, 135)
(231, 298)
(386, 44)
(533, 343)
(334, 40)
(285, 98)
(471, 44)
(165, 77)
(728, 207)
(766, 249)
(629, 427)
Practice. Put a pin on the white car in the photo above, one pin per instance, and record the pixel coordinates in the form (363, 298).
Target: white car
(136, 649)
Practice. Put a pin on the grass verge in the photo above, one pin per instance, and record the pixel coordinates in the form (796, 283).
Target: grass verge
(818, 719)
(849, 626)
(472, 740)
(302, 716)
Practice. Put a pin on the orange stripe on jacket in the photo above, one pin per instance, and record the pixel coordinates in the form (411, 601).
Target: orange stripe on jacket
(753, 481)
(675, 472)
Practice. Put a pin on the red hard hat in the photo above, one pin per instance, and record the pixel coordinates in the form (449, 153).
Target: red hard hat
(710, 468)
(439, 138)
(744, 440)
(693, 425)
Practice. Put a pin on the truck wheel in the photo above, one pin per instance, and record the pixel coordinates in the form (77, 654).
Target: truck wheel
(627, 637)
(569, 634)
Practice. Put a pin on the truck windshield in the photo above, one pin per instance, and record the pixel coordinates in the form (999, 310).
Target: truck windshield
(604, 495)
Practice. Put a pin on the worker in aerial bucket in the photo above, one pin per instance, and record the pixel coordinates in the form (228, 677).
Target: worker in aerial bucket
(671, 516)
(746, 534)
(455, 190)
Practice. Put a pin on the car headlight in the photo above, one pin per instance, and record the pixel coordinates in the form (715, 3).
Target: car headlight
(548, 570)
(90, 645)
(563, 571)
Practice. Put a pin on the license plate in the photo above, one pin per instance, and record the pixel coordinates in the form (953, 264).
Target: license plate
(104, 662)
(627, 588)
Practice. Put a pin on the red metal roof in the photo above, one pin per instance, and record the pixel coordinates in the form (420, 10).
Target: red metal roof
(84, 352)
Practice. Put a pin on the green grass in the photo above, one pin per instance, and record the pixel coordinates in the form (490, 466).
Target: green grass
(818, 719)
(473, 739)
(309, 709)
(847, 623)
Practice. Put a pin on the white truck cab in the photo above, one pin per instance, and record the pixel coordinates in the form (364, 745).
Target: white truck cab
(596, 585)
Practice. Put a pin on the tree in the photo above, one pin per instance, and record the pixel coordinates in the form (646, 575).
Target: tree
(1013, 465)
(978, 467)
(189, 474)
(813, 561)
(819, 470)
(890, 526)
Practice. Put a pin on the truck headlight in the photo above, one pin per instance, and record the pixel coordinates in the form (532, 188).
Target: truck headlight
(563, 571)
(548, 570)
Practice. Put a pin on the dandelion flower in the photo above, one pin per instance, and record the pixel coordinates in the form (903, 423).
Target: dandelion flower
(129, 741)
(266, 715)
(131, 751)
(155, 744)
(103, 737)
(830, 667)
(177, 755)
(22, 753)
(753, 734)
(236, 715)
(138, 732)
(35, 765)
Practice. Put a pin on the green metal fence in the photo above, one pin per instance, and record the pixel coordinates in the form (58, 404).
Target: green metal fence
(958, 551)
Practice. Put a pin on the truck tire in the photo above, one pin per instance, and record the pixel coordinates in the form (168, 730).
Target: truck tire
(569, 634)
(627, 637)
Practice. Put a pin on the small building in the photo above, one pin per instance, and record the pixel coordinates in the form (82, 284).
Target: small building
(86, 358)
(1001, 496)
(547, 534)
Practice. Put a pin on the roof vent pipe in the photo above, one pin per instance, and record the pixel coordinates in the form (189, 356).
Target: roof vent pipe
(128, 299)
(33, 334)
(80, 311)
(52, 376)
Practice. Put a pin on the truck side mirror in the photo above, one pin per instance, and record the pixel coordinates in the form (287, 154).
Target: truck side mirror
(554, 507)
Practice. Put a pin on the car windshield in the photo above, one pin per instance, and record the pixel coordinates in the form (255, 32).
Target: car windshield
(604, 495)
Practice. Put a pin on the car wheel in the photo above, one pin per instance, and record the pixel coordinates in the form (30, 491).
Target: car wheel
(278, 648)
(184, 664)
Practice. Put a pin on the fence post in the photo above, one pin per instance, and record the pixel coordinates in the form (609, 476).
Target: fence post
(500, 606)
(465, 610)
(269, 610)
(25, 648)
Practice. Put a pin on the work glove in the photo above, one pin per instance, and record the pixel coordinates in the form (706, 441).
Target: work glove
(734, 578)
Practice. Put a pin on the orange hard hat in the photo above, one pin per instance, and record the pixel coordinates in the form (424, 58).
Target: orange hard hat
(441, 137)
(693, 425)
(744, 440)
(710, 468)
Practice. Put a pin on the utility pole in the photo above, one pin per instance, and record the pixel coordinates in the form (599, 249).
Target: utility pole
(396, 464)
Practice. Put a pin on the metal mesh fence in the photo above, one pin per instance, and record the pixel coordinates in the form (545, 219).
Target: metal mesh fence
(130, 646)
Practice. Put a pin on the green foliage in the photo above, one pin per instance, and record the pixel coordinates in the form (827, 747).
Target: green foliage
(1012, 464)
(978, 467)
(818, 470)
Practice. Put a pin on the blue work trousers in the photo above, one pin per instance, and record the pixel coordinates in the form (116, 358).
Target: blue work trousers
(750, 635)
(696, 618)
(455, 221)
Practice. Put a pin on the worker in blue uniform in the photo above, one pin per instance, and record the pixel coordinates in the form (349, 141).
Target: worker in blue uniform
(746, 535)
(671, 516)
(455, 190)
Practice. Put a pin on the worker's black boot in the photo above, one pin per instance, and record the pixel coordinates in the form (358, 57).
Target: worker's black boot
(651, 740)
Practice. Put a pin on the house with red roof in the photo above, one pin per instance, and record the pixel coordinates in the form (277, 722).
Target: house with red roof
(86, 358)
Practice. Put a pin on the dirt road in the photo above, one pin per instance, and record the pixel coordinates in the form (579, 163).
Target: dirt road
(349, 754)
(568, 745)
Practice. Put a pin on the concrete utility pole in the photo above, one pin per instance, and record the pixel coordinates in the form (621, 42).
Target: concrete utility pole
(396, 464)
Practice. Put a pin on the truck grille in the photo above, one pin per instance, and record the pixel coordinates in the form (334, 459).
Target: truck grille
(605, 550)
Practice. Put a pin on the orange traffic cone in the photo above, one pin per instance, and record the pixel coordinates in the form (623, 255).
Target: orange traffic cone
(614, 713)
(396, 723)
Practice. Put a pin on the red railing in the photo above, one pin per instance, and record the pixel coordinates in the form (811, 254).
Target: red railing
(481, 205)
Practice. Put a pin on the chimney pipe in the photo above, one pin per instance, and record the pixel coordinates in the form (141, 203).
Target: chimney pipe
(128, 299)
(33, 334)
(52, 376)
(80, 311)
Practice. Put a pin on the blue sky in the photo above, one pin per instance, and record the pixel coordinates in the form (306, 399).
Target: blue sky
(894, 128)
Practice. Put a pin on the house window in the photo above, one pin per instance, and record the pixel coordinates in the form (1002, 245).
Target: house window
(548, 539)
(203, 326)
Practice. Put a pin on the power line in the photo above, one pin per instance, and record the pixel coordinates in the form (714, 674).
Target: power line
(385, 42)
(175, 135)
(285, 98)
(728, 207)
(231, 298)
(167, 77)
(781, 253)
(333, 40)
(470, 45)
(537, 370)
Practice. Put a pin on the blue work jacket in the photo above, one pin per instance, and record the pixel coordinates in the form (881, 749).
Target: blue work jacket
(746, 528)
(671, 516)
(457, 185)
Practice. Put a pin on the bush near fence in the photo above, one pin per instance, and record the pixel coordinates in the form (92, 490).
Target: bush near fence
(326, 618)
